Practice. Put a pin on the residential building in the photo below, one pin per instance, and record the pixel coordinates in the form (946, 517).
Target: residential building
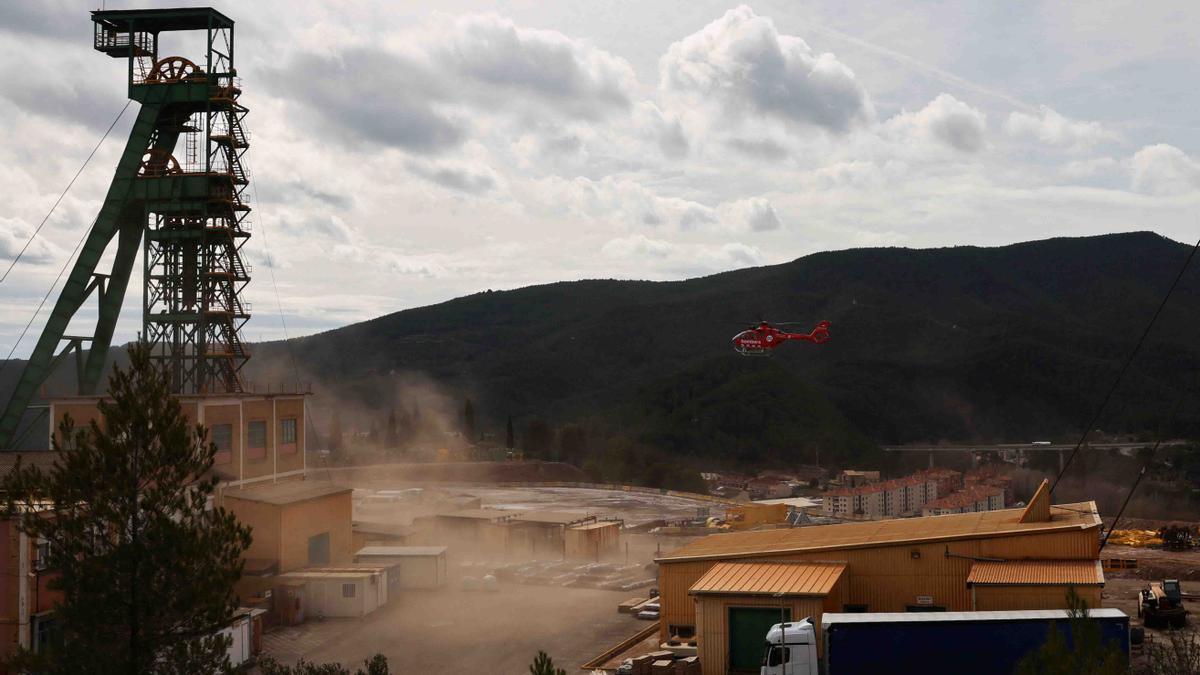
(970, 499)
(891, 498)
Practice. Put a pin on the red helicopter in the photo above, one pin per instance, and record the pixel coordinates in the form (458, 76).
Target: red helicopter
(764, 337)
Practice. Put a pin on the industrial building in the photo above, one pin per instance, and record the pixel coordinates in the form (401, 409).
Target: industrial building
(414, 567)
(593, 541)
(726, 587)
(259, 437)
(530, 535)
(341, 591)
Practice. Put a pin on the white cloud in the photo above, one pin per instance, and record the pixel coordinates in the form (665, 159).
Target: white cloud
(1164, 170)
(742, 66)
(15, 235)
(945, 119)
(458, 177)
(491, 50)
(638, 251)
(1051, 128)
(755, 214)
(1088, 168)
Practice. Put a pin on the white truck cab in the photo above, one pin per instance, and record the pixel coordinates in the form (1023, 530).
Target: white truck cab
(791, 649)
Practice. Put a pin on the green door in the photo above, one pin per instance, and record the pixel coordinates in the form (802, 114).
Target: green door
(748, 628)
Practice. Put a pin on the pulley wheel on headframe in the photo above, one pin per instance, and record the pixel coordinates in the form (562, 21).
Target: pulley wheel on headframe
(159, 162)
(173, 69)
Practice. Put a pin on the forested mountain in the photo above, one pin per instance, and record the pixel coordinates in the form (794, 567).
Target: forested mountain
(958, 344)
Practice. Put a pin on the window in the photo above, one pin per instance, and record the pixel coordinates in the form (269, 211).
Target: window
(41, 555)
(778, 656)
(256, 434)
(256, 439)
(45, 632)
(924, 608)
(855, 609)
(287, 431)
(347, 590)
(681, 632)
(221, 436)
(318, 549)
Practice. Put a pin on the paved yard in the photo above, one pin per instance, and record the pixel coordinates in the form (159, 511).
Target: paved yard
(455, 631)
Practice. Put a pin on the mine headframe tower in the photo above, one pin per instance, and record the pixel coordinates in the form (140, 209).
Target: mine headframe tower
(180, 183)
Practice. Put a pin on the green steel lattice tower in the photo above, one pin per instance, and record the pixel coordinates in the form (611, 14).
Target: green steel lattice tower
(177, 193)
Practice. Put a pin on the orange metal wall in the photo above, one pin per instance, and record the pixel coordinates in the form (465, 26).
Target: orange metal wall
(712, 620)
(264, 521)
(311, 517)
(998, 598)
(888, 578)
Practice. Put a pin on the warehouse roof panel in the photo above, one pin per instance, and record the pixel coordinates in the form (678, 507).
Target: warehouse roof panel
(400, 551)
(1037, 573)
(773, 578)
(874, 533)
(289, 492)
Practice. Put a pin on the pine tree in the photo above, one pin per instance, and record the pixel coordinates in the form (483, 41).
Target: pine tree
(469, 421)
(544, 665)
(146, 569)
(335, 433)
(392, 440)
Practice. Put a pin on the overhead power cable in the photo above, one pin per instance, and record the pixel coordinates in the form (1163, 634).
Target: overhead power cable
(64, 192)
(1125, 367)
(1162, 430)
(46, 297)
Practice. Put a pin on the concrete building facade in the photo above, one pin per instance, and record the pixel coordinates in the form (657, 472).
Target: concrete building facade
(892, 498)
(259, 437)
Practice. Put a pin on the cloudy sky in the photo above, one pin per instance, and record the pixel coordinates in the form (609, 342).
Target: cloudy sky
(408, 153)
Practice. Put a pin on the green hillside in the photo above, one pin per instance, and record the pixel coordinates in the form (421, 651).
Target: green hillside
(960, 344)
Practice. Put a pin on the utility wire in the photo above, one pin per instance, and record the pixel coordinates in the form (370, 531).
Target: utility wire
(64, 192)
(1125, 367)
(46, 297)
(287, 340)
(1162, 432)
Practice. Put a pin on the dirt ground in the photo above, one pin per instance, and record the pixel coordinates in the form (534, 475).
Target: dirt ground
(453, 630)
(460, 631)
(1153, 563)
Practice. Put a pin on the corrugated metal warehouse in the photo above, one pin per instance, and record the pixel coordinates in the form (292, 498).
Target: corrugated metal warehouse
(1007, 559)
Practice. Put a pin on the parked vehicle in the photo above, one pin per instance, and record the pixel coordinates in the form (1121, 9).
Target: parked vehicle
(1161, 604)
(983, 643)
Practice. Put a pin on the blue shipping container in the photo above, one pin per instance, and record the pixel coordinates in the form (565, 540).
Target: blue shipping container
(980, 643)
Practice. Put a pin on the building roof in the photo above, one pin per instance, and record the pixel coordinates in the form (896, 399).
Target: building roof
(1037, 573)
(43, 459)
(914, 479)
(389, 529)
(289, 492)
(479, 514)
(794, 502)
(551, 517)
(830, 618)
(964, 497)
(882, 533)
(769, 578)
(599, 524)
(401, 551)
(1038, 508)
